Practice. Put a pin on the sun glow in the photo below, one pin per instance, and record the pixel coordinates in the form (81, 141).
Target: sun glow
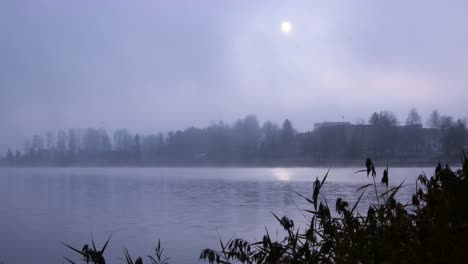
(286, 27)
(282, 174)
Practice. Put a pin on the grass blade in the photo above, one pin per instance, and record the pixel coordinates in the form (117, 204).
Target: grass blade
(74, 249)
(363, 187)
(357, 202)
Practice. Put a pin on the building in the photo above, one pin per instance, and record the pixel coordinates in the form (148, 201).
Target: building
(330, 124)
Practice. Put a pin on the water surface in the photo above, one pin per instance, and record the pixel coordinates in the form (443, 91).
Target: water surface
(187, 208)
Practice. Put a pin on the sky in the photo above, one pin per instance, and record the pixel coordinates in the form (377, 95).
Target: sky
(157, 65)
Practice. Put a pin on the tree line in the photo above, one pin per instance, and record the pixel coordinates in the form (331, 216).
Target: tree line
(246, 141)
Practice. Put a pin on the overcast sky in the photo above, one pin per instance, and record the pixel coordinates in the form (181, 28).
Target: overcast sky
(164, 65)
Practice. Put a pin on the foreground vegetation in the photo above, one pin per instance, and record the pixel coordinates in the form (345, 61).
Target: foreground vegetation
(431, 228)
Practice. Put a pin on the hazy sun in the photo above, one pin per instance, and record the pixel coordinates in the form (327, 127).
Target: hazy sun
(286, 27)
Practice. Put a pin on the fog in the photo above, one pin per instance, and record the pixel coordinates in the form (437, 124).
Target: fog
(155, 66)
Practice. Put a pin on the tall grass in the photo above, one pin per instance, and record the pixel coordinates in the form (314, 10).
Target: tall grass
(432, 228)
(94, 256)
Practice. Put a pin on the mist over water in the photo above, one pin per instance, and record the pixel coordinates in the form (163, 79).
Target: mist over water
(184, 207)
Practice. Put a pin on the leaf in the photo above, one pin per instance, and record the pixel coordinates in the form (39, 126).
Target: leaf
(357, 202)
(393, 190)
(307, 199)
(139, 261)
(316, 192)
(74, 249)
(69, 260)
(127, 257)
(105, 245)
(396, 189)
(359, 171)
(324, 178)
(85, 248)
(277, 218)
(92, 241)
(310, 211)
(221, 242)
(153, 260)
(363, 187)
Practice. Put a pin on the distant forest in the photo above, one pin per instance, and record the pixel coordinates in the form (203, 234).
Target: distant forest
(247, 142)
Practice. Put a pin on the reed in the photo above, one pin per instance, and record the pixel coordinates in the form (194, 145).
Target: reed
(432, 228)
(94, 256)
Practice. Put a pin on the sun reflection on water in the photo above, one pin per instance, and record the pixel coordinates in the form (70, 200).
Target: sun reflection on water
(282, 174)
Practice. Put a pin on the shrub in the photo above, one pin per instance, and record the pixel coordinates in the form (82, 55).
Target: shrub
(431, 228)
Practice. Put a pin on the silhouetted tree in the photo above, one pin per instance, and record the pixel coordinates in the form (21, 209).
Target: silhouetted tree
(150, 147)
(288, 136)
(123, 146)
(9, 156)
(446, 122)
(246, 141)
(384, 118)
(17, 157)
(269, 141)
(50, 148)
(73, 144)
(49, 140)
(455, 137)
(61, 146)
(434, 120)
(220, 143)
(414, 118)
(374, 119)
(246, 133)
(96, 144)
(136, 147)
(122, 140)
(287, 132)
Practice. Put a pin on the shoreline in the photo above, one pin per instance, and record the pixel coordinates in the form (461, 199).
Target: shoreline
(316, 164)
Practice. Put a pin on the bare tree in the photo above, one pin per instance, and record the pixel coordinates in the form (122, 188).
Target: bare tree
(446, 121)
(464, 120)
(61, 144)
(123, 140)
(384, 118)
(49, 140)
(414, 118)
(434, 120)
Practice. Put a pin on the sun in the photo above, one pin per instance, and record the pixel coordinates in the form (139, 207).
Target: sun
(286, 27)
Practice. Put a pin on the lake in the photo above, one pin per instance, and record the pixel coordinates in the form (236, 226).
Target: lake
(187, 208)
